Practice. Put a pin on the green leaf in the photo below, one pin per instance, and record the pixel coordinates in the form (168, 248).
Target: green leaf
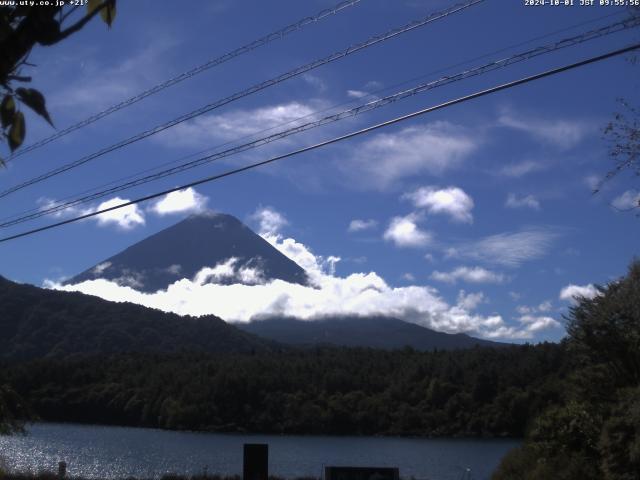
(7, 110)
(35, 101)
(108, 12)
(17, 131)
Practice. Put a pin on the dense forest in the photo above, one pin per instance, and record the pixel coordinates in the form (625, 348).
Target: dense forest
(492, 392)
(594, 433)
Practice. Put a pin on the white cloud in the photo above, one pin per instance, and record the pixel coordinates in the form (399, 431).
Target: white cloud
(528, 201)
(563, 134)
(544, 307)
(356, 93)
(230, 271)
(508, 249)
(187, 200)
(358, 225)
(386, 158)
(45, 203)
(628, 200)
(470, 301)
(452, 201)
(409, 277)
(315, 81)
(573, 292)
(174, 269)
(468, 274)
(200, 131)
(535, 323)
(520, 169)
(100, 268)
(125, 218)
(270, 221)
(404, 232)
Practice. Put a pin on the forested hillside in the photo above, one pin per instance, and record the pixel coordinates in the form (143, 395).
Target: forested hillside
(492, 392)
(594, 433)
(35, 323)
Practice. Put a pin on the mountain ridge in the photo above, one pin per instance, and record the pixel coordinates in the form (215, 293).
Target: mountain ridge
(41, 323)
(373, 332)
(185, 248)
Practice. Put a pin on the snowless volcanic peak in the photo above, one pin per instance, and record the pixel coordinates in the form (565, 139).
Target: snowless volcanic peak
(215, 240)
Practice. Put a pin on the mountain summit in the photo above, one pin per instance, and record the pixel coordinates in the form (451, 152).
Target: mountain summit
(184, 249)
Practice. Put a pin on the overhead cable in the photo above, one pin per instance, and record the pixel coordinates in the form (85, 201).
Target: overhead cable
(488, 67)
(325, 143)
(278, 34)
(256, 88)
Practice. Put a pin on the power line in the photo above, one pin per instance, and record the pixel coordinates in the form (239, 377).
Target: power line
(516, 58)
(373, 95)
(278, 34)
(261, 86)
(325, 143)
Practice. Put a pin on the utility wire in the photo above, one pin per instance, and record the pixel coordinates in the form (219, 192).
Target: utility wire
(260, 86)
(278, 34)
(482, 93)
(520, 57)
(373, 95)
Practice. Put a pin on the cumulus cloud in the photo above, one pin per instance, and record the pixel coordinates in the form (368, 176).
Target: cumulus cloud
(358, 225)
(572, 292)
(468, 274)
(269, 220)
(230, 271)
(535, 323)
(561, 133)
(386, 158)
(182, 201)
(628, 200)
(508, 249)
(543, 307)
(125, 218)
(470, 301)
(528, 201)
(452, 201)
(405, 232)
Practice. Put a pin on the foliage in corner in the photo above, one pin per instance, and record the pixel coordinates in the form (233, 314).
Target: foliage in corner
(595, 434)
(23, 27)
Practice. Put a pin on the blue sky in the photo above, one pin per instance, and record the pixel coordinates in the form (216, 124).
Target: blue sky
(487, 205)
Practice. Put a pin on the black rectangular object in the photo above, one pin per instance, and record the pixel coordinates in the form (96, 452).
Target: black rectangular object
(255, 461)
(361, 473)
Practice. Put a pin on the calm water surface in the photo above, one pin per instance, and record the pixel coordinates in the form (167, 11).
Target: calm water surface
(118, 452)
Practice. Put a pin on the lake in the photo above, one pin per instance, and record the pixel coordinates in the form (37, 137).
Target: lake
(118, 452)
